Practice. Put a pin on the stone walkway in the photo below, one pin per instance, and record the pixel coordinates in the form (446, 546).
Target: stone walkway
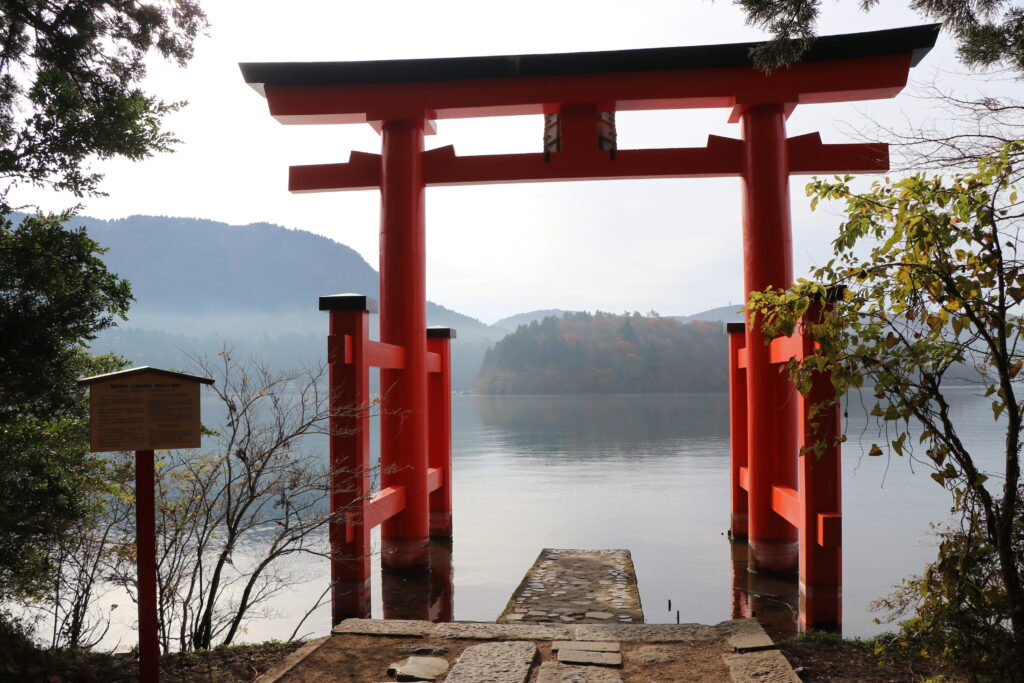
(364, 650)
(577, 586)
(575, 618)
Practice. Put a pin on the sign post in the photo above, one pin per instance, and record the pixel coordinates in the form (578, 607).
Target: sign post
(143, 409)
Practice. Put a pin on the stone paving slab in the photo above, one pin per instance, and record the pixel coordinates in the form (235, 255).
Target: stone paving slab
(577, 586)
(384, 627)
(553, 672)
(767, 666)
(653, 633)
(650, 633)
(571, 656)
(508, 662)
(592, 646)
(745, 635)
(491, 631)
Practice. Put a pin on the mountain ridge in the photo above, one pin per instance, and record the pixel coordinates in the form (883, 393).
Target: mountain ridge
(200, 284)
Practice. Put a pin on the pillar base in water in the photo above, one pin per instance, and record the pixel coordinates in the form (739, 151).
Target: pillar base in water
(351, 599)
(441, 524)
(739, 525)
(773, 557)
(821, 608)
(400, 554)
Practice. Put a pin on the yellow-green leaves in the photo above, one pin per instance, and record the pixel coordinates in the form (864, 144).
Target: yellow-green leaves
(933, 286)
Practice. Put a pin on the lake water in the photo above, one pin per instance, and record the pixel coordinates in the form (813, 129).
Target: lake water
(650, 474)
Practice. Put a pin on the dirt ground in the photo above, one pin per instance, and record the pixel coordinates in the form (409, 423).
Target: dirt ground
(360, 659)
(856, 662)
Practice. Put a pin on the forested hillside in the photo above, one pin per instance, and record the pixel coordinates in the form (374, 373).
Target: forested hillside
(607, 353)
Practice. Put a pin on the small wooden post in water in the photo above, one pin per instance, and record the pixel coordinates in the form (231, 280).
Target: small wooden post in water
(143, 409)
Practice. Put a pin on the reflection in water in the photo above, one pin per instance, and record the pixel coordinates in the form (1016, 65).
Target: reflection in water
(772, 600)
(580, 427)
(651, 474)
(425, 595)
(442, 581)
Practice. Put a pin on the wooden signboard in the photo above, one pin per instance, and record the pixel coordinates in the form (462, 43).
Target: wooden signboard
(144, 409)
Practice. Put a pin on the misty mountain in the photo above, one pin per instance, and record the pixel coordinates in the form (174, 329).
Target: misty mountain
(200, 284)
(194, 266)
(725, 314)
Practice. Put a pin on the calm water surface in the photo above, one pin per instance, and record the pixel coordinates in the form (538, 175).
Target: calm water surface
(650, 473)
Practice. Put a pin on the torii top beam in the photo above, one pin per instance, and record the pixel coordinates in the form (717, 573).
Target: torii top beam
(841, 68)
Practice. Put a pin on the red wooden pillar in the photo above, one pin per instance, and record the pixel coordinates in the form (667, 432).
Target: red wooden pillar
(145, 541)
(737, 430)
(349, 396)
(767, 261)
(821, 552)
(439, 397)
(403, 316)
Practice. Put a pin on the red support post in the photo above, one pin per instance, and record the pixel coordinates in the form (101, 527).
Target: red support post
(439, 397)
(737, 430)
(145, 542)
(403, 302)
(349, 442)
(768, 262)
(821, 552)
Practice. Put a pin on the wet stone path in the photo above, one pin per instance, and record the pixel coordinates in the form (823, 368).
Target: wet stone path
(577, 587)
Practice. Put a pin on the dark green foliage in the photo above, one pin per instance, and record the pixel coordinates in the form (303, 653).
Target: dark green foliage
(54, 294)
(46, 483)
(582, 353)
(988, 32)
(22, 660)
(69, 74)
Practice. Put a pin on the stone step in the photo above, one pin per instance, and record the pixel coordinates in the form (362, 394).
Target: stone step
(553, 672)
(589, 645)
(573, 656)
(567, 586)
(500, 662)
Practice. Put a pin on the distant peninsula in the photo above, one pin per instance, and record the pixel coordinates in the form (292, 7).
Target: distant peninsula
(589, 353)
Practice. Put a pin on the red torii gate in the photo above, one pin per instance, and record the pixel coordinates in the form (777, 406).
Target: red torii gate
(578, 93)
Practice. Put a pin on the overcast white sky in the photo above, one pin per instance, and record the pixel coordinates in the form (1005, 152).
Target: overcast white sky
(668, 245)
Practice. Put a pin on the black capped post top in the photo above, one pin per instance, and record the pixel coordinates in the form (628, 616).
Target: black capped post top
(85, 381)
(348, 302)
(437, 332)
(735, 328)
(917, 40)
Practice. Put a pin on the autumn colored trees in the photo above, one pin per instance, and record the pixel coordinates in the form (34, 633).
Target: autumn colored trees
(584, 353)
